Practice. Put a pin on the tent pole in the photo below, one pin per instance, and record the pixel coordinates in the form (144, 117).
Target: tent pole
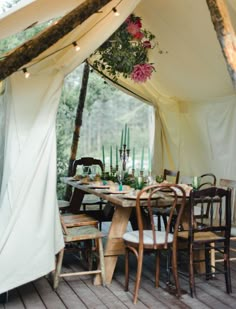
(34, 47)
(78, 124)
(225, 33)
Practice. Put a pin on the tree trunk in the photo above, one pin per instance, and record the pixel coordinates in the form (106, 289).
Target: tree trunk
(34, 47)
(225, 33)
(78, 124)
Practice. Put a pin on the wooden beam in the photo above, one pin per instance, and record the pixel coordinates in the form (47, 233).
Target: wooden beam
(225, 34)
(34, 47)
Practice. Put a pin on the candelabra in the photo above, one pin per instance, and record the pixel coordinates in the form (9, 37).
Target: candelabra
(124, 156)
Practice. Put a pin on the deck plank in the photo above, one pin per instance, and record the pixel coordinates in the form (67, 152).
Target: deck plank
(30, 297)
(14, 300)
(79, 292)
(70, 298)
(48, 295)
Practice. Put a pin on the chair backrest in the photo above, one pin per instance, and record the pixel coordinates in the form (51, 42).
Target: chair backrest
(228, 183)
(207, 180)
(147, 199)
(172, 174)
(86, 161)
(218, 202)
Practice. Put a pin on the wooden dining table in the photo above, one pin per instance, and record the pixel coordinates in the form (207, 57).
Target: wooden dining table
(122, 210)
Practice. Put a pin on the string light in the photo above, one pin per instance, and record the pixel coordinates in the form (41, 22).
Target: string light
(27, 74)
(77, 48)
(116, 13)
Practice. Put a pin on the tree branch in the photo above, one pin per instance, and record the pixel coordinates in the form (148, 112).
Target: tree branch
(34, 47)
(225, 33)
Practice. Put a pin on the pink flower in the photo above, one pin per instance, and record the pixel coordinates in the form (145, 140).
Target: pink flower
(139, 35)
(147, 44)
(138, 22)
(142, 72)
(133, 29)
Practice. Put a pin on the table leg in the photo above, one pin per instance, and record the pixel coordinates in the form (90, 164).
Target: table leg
(114, 244)
(76, 200)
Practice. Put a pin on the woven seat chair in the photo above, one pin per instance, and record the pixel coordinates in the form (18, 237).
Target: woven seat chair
(208, 233)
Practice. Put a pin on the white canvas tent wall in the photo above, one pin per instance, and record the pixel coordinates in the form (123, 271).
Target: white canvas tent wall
(191, 91)
(29, 222)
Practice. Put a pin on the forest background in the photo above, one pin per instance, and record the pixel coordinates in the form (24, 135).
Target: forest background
(107, 109)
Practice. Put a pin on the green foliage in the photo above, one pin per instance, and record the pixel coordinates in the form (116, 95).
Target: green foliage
(127, 47)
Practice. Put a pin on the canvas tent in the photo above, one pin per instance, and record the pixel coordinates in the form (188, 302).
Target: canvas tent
(191, 91)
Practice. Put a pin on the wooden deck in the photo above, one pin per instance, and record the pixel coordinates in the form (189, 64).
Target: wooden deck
(79, 292)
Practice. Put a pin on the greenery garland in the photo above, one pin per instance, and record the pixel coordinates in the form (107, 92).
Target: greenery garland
(125, 53)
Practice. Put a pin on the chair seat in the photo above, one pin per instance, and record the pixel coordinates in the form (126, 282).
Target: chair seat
(133, 237)
(63, 203)
(79, 220)
(201, 236)
(90, 199)
(82, 233)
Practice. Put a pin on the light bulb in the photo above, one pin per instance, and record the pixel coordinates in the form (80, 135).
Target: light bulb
(77, 48)
(116, 13)
(26, 73)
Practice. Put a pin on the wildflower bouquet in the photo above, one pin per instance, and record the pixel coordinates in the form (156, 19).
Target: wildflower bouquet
(126, 52)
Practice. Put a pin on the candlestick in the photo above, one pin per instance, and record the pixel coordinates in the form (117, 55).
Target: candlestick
(121, 140)
(149, 160)
(125, 134)
(103, 155)
(111, 156)
(116, 155)
(133, 159)
(128, 140)
(142, 158)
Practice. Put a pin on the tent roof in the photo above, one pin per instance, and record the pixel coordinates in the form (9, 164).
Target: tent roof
(194, 69)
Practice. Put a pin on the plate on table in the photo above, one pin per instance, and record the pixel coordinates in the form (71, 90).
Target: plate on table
(144, 196)
(118, 192)
(99, 186)
(115, 190)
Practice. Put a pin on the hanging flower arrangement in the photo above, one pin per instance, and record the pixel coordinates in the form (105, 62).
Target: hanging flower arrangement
(125, 53)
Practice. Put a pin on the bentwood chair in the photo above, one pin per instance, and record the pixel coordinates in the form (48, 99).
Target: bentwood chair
(208, 233)
(146, 239)
(80, 234)
(173, 177)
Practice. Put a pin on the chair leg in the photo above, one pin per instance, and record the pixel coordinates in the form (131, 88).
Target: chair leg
(191, 272)
(175, 272)
(227, 274)
(138, 276)
(102, 264)
(126, 269)
(207, 263)
(58, 269)
(157, 274)
(158, 222)
(164, 218)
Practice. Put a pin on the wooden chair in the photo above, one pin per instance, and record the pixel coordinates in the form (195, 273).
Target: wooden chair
(227, 183)
(206, 180)
(207, 233)
(89, 161)
(164, 213)
(148, 239)
(173, 175)
(78, 234)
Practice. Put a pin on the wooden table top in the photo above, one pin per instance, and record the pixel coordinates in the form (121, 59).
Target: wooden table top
(117, 199)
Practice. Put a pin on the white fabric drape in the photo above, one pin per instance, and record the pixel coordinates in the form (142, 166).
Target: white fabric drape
(29, 219)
